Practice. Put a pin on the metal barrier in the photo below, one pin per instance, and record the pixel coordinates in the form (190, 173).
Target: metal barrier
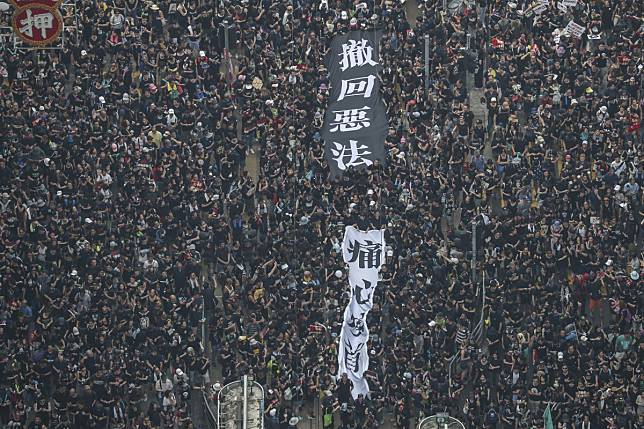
(477, 333)
(210, 415)
(441, 421)
(240, 404)
(452, 360)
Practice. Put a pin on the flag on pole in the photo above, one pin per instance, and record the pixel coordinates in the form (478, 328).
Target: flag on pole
(547, 419)
(230, 71)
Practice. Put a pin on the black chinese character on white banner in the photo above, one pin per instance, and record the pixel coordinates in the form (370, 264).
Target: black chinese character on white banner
(352, 356)
(367, 254)
(358, 295)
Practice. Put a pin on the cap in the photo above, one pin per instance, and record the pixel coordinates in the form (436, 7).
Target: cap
(635, 275)
(202, 53)
(179, 372)
(293, 421)
(171, 111)
(432, 324)
(75, 331)
(493, 99)
(338, 274)
(272, 412)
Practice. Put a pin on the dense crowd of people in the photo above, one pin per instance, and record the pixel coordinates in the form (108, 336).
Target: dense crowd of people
(126, 208)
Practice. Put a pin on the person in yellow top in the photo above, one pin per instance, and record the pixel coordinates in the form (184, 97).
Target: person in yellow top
(155, 136)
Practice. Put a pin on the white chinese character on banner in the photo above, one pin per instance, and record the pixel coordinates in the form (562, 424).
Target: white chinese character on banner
(354, 153)
(358, 86)
(350, 120)
(356, 54)
(40, 21)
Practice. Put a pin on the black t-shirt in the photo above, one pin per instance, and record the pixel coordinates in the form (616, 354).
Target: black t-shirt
(344, 390)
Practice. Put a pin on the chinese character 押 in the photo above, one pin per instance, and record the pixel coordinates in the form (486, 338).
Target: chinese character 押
(40, 21)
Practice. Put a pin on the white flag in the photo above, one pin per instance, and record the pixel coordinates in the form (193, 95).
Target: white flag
(364, 253)
(363, 249)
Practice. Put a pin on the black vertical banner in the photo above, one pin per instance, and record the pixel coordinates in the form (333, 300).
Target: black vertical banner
(355, 124)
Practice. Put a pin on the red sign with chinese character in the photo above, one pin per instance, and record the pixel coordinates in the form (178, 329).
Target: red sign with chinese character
(24, 3)
(37, 24)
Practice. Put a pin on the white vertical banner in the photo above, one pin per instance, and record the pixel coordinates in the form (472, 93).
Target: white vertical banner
(363, 252)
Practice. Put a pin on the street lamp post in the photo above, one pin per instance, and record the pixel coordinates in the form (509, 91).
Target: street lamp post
(426, 62)
(226, 27)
